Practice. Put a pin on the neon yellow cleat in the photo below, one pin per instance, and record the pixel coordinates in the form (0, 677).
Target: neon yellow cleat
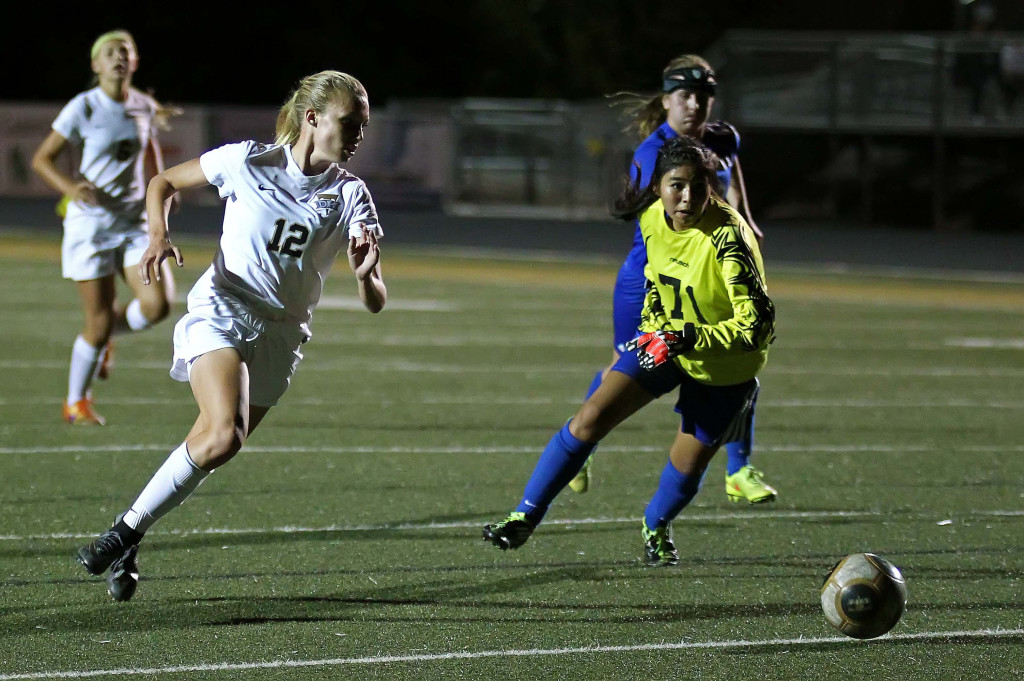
(581, 483)
(747, 484)
(659, 550)
(510, 533)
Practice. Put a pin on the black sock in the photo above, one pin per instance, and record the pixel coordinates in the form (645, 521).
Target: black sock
(128, 535)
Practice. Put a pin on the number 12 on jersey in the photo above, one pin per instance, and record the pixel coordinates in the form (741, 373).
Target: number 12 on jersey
(297, 237)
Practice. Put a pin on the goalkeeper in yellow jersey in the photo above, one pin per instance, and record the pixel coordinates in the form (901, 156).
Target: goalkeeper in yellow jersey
(706, 327)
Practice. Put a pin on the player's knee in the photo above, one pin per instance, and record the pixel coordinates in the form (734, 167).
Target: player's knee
(219, 443)
(590, 423)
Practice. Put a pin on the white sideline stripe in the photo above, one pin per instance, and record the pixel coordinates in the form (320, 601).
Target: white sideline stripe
(411, 305)
(622, 449)
(467, 524)
(987, 343)
(328, 364)
(534, 652)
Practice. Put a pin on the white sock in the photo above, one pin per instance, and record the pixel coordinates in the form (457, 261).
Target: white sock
(134, 318)
(173, 482)
(99, 362)
(84, 359)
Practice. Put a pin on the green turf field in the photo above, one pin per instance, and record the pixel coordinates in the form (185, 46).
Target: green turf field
(344, 542)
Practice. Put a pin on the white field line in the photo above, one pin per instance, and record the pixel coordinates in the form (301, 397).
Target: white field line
(535, 450)
(326, 364)
(409, 304)
(458, 449)
(513, 653)
(416, 526)
(499, 400)
(474, 525)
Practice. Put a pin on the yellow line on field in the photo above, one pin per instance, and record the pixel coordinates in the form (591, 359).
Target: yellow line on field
(407, 263)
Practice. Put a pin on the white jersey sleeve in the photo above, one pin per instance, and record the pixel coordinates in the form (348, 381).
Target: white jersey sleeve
(360, 213)
(69, 121)
(221, 166)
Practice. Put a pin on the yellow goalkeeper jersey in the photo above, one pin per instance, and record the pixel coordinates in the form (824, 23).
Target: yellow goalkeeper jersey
(710, 275)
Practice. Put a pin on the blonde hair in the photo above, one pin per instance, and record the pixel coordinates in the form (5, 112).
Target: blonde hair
(116, 34)
(314, 92)
(163, 112)
(646, 112)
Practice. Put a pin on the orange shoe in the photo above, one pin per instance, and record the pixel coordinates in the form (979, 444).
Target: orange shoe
(107, 364)
(81, 414)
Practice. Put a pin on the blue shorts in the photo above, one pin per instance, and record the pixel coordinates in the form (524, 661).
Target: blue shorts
(714, 414)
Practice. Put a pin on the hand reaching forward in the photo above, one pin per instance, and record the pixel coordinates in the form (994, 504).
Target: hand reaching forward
(153, 258)
(657, 347)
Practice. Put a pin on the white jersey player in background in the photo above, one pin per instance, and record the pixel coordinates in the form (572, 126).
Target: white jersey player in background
(114, 126)
(290, 210)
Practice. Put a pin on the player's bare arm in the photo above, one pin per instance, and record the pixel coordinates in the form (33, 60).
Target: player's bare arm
(44, 163)
(364, 259)
(161, 188)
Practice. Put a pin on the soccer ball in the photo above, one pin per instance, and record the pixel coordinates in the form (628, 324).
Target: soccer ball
(863, 595)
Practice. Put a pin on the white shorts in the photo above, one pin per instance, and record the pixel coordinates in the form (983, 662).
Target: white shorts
(270, 351)
(98, 244)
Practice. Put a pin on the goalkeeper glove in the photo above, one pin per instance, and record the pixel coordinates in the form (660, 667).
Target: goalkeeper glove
(657, 347)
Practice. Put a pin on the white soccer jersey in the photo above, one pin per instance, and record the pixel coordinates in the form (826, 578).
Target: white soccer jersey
(113, 137)
(282, 232)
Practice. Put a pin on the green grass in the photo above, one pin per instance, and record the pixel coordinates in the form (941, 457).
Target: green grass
(344, 542)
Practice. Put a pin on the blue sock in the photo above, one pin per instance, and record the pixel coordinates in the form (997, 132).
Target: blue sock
(675, 491)
(559, 463)
(739, 456)
(593, 384)
(739, 451)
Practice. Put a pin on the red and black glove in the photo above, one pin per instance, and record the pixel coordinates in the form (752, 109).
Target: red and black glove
(657, 347)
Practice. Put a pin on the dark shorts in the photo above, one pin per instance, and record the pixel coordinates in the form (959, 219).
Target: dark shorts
(714, 414)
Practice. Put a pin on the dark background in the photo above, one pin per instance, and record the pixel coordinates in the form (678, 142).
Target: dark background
(218, 53)
(253, 53)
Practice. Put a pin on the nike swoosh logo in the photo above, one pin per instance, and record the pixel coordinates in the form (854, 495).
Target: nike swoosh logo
(266, 189)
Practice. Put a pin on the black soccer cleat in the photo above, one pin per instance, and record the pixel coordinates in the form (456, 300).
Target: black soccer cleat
(101, 553)
(124, 575)
(510, 533)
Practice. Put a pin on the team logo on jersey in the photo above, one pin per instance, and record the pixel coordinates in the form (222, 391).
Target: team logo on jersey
(325, 204)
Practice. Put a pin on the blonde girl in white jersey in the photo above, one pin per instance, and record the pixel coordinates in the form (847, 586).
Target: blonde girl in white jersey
(114, 126)
(290, 208)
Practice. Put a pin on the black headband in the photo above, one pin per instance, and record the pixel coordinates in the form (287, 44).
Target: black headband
(696, 78)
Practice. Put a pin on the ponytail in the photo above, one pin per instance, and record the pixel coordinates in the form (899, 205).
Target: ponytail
(314, 92)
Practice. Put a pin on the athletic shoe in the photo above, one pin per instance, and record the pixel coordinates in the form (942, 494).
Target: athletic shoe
(103, 552)
(106, 363)
(747, 484)
(581, 483)
(124, 575)
(658, 547)
(510, 533)
(81, 413)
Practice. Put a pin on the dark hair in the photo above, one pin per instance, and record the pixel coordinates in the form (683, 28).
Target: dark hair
(645, 112)
(675, 152)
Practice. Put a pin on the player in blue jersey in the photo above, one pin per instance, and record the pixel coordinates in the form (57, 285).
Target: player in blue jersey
(290, 209)
(681, 108)
(707, 323)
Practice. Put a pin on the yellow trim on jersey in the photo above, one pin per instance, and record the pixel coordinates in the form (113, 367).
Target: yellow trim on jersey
(710, 275)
